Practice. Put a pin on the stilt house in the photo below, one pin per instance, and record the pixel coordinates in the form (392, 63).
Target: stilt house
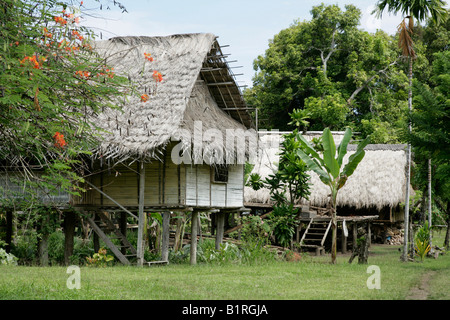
(183, 146)
(178, 145)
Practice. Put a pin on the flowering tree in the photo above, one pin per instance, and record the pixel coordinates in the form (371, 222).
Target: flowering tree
(50, 80)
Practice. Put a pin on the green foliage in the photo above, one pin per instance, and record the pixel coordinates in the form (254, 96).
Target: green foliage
(99, 259)
(328, 73)
(7, 258)
(51, 80)
(255, 230)
(287, 186)
(330, 110)
(283, 220)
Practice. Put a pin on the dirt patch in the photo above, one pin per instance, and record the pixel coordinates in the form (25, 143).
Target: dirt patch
(421, 291)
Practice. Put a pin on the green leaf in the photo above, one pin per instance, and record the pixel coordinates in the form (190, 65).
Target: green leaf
(342, 149)
(309, 149)
(329, 152)
(355, 158)
(314, 166)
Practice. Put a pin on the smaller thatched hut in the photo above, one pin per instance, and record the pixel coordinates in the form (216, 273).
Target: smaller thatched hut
(377, 187)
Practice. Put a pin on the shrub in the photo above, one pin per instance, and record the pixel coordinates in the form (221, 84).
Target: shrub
(99, 259)
(7, 258)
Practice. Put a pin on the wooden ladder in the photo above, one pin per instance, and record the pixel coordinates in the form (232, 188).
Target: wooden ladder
(108, 228)
(315, 234)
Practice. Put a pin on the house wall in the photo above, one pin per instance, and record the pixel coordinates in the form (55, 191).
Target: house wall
(166, 184)
(201, 191)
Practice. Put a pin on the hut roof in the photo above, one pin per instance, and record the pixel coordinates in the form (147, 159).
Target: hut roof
(197, 85)
(378, 181)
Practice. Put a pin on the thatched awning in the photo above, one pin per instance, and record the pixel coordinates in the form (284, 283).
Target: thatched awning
(189, 63)
(378, 181)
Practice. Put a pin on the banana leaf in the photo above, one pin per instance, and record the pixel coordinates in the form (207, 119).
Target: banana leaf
(342, 149)
(355, 158)
(329, 153)
(314, 166)
(309, 149)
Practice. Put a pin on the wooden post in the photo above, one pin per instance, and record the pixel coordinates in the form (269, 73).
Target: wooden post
(165, 236)
(9, 229)
(179, 232)
(69, 231)
(123, 229)
(220, 218)
(96, 240)
(140, 239)
(194, 229)
(343, 241)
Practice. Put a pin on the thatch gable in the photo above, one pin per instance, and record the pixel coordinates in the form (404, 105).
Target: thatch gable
(190, 65)
(378, 181)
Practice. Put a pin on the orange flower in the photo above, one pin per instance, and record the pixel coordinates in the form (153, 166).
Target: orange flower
(157, 76)
(33, 61)
(83, 74)
(148, 57)
(59, 140)
(144, 98)
(60, 20)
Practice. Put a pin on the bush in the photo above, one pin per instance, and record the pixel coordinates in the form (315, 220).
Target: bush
(25, 248)
(7, 258)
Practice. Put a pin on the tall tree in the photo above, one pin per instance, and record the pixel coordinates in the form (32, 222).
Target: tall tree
(419, 10)
(337, 74)
(430, 136)
(50, 80)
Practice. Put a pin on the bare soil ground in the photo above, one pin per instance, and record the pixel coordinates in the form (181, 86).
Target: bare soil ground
(422, 291)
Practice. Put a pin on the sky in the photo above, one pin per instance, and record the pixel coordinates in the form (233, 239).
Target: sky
(245, 26)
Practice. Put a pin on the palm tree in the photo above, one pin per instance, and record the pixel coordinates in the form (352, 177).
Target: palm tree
(419, 10)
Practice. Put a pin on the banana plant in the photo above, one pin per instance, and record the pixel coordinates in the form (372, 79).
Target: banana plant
(330, 169)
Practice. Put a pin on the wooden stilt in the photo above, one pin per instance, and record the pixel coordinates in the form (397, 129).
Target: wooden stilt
(194, 229)
(220, 229)
(355, 235)
(179, 232)
(343, 240)
(96, 239)
(165, 236)
(141, 226)
(123, 229)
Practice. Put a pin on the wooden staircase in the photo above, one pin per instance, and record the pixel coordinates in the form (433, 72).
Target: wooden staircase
(103, 229)
(315, 234)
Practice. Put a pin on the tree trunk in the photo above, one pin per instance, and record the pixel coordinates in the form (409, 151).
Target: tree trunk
(9, 230)
(69, 230)
(447, 234)
(43, 250)
(42, 229)
(429, 202)
(408, 171)
(333, 235)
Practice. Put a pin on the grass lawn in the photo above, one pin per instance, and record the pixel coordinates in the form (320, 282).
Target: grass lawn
(311, 278)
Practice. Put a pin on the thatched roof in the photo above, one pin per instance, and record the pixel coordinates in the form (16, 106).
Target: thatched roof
(197, 85)
(378, 181)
